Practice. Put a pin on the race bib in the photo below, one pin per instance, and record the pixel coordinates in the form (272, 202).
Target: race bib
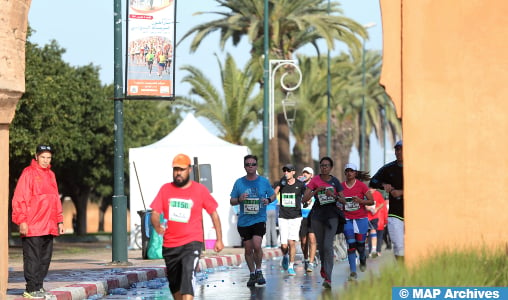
(351, 205)
(180, 210)
(251, 206)
(324, 199)
(288, 199)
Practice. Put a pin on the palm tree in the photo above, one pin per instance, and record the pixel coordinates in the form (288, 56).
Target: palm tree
(293, 24)
(235, 113)
(311, 113)
(376, 106)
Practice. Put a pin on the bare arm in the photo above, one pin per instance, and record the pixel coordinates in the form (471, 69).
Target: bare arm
(219, 245)
(308, 195)
(370, 199)
(236, 201)
(156, 223)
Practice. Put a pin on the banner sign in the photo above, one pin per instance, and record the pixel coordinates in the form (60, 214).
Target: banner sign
(150, 70)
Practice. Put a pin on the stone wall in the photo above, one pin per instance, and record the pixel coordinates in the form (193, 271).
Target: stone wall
(445, 66)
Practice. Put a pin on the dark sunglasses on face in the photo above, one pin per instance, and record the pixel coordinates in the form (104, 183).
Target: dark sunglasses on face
(286, 170)
(250, 164)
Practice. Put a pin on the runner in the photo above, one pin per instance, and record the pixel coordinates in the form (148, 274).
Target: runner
(357, 223)
(290, 215)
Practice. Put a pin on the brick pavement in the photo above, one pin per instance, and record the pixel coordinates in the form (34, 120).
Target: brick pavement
(80, 270)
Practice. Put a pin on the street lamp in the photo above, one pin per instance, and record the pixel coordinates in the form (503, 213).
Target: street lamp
(362, 126)
(287, 104)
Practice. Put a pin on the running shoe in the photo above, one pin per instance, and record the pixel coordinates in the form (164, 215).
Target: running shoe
(305, 264)
(352, 276)
(363, 264)
(285, 262)
(259, 277)
(310, 267)
(45, 293)
(291, 272)
(327, 284)
(34, 295)
(252, 280)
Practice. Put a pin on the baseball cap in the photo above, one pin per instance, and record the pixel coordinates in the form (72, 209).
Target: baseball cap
(398, 144)
(308, 170)
(181, 161)
(288, 167)
(350, 166)
(43, 148)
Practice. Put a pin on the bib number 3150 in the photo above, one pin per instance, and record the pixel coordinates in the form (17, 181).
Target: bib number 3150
(180, 210)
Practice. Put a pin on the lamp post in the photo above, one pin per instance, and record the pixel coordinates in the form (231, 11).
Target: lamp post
(119, 243)
(328, 104)
(266, 139)
(362, 116)
(385, 125)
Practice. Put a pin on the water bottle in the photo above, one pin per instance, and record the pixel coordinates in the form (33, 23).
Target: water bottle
(164, 225)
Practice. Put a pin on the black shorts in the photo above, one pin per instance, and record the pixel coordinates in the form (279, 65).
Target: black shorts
(305, 227)
(247, 232)
(181, 263)
(373, 224)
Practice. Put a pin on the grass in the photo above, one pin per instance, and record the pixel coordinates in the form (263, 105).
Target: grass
(466, 268)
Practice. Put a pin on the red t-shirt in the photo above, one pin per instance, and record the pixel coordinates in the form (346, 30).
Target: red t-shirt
(354, 210)
(383, 216)
(378, 201)
(183, 209)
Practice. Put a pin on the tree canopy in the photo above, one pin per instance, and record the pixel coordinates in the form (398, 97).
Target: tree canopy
(68, 107)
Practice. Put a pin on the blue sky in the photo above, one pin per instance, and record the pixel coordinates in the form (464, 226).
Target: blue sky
(85, 29)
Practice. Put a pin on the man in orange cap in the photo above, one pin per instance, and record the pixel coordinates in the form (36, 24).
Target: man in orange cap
(182, 202)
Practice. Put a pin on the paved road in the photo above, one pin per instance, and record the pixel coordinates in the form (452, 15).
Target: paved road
(77, 263)
(231, 281)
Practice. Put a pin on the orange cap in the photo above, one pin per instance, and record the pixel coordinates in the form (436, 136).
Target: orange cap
(181, 161)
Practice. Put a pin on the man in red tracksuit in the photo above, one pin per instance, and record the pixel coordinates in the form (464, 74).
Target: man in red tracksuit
(37, 209)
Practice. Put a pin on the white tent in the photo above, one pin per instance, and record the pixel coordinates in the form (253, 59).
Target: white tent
(153, 166)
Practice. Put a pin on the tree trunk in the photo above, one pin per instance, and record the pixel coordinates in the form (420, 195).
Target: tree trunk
(367, 155)
(283, 139)
(341, 143)
(302, 153)
(105, 203)
(273, 164)
(80, 201)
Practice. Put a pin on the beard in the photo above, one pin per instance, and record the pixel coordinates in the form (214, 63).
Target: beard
(180, 181)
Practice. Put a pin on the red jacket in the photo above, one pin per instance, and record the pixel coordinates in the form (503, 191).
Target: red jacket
(36, 201)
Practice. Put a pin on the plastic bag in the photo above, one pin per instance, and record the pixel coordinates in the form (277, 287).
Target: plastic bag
(155, 243)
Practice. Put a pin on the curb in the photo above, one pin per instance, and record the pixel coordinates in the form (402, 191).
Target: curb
(86, 289)
(233, 260)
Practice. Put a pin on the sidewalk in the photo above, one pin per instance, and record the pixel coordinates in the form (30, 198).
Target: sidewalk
(81, 270)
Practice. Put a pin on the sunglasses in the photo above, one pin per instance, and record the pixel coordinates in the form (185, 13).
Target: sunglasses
(286, 170)
(250, 164)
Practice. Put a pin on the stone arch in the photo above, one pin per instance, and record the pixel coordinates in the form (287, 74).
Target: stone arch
(13, 30)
